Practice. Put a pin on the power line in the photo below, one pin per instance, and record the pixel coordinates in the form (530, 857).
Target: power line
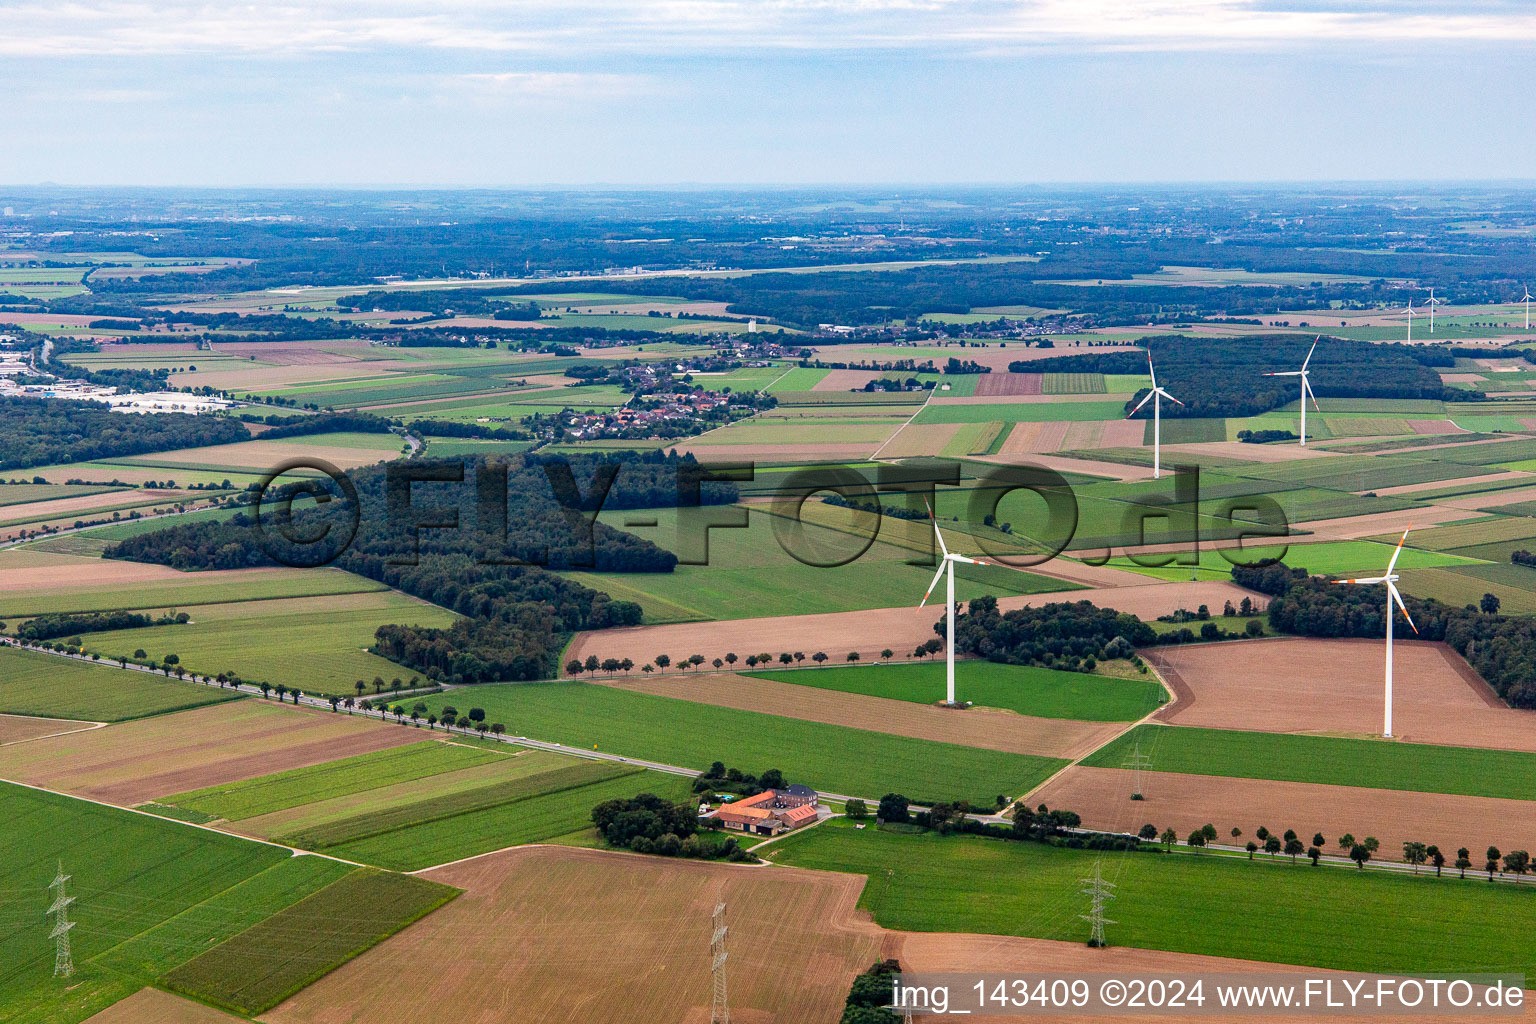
(1137, 763)
(1098, 893)
(721, 1012)
(63, 962)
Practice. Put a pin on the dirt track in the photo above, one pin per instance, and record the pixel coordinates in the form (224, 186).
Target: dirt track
(1335, 686)
(993, 729)
(547, 935)
(871, 630)
(1185, 802)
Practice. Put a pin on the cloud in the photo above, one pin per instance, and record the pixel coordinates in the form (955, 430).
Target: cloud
(558, 84)
(580, 28)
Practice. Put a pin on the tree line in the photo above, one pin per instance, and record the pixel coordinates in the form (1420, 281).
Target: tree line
(43, 431)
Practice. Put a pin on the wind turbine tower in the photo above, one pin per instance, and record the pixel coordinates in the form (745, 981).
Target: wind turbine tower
(947, 570)
(1155, 396)
(1306, 386)
(1433, 302)
(1410, 320)
(1526, 298)
(1390, 579)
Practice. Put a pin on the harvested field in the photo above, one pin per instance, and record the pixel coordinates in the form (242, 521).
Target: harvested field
(261, 456)
(990, 728)
(152, 1005)
(37, 511)
(1185, 802)
(1251, 452)
(846, 380)
(1335, 686)
(15, 728)
(1068, 464)
(872, 630)
(1374, 523)
(1034, 438)
(1082, 436)
(1009, 384)
(1436, 426)
(942, 952)
(628, 945)
(1491, 499)
(134, 762)
(1469, 482)
(917, 439)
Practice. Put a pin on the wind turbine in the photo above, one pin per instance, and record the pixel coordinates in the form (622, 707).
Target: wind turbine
(1390, 579)
(947, 568)
(1410, 320)
(1526, 298)
(1433, 302)
(1155, 396)
(1306, 387)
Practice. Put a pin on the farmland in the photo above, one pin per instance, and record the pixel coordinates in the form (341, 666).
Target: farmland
(317, 643)
(693, 735)
(1187, 904)
(1335, 761)
(142, 884)
(56, 588)
(525, 924)
(46, 686)
(1029, 690)
(307, 940)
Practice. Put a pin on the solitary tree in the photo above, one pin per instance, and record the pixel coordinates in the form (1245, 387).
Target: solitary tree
(1492, 862)
(591, 664)
(786, 658)
(856, 809)
(647, 668)
(497, 728)
(378, 684)
(1359, 854)
(799, 656)
(1489, 604)
(1252, 848)
(662, 661)
(1415, 854)
(1168, 838)
(359, 686)
(718, 663)
(626, 664)
(1517, 862)
(853, 655)
(819, 657)
(1435, 857)
(887, 654)
(695, 660)
(1463, 860)
(396, 685)
(1237, 833)
(1148, 832)
(573, 667)
(730, 659)
(1196, 838)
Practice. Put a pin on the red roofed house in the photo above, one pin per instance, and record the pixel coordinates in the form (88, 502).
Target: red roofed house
(771, 811)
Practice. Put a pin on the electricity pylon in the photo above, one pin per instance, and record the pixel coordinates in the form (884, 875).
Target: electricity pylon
(721, 1013)
(1137, 763)
(1098, 892)
(63, 962)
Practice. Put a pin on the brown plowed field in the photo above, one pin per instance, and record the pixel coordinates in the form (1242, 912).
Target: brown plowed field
(14, 728)
(151, 1006)
(133, 762)
(1335, 686)
(993, 729)
(1009, 383)
(21, 569)
(1064, 464)
(1088, 434)
(1355, 527)
(1185, 802)
(870, 630)
(1466, 481)
(937, 952)
(34, 511)
(562, 936)
(1436, 426)
(265, 454)
(1490, 499)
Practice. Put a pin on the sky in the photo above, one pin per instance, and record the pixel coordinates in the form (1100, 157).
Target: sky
(589, 92)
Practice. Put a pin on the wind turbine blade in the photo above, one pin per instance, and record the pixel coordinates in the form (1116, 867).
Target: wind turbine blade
(1139, 404)
(1307, 360)
(1307, 387)
(1284, 373)
(936, 531)
(968, 561)
(1399, 599)
(1170, 398)
(943, 564)
(1151, 372)
(1398, 551)
(1365, 580)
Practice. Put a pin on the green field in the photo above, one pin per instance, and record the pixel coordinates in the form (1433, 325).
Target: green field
(532, 820)
(47, 686)
(1329, 558)
(1333, 917)
(270, 961)
(1332, 761)
(1044, 692)
(268, 793)
(692, 735)
(315, 643)
(194, 589)
(750, 574)
(409, 817)
(143, 886)
(21, 494)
